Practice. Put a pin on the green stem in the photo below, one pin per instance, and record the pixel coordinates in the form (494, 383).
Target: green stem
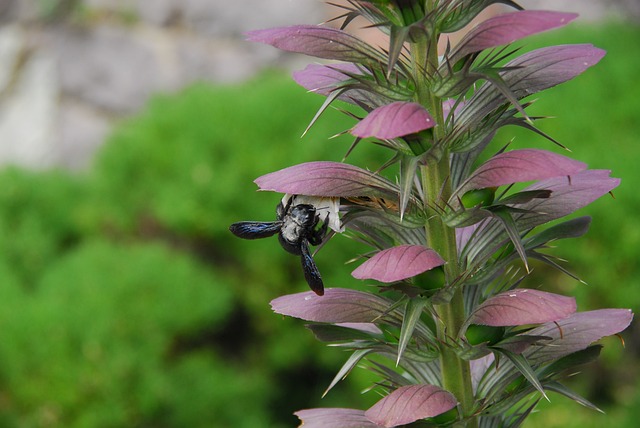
(456, 373)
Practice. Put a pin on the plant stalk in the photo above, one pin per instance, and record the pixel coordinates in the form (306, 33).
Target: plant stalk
(456, 372)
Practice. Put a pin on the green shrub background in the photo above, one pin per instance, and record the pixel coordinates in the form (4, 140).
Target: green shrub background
(126, 302)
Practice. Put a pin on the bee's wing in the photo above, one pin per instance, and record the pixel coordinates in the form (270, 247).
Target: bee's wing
(311, 273)
(255, 229)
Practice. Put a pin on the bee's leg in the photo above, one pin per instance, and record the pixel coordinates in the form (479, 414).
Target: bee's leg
(282, 210)
(255, 229)
(318, 235)
(311, 272)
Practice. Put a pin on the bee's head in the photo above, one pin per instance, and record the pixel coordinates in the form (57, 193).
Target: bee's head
(327, 207)
(303, 214)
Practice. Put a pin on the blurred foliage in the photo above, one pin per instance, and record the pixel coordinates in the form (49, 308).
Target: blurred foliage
(126, 301)
(37, 220)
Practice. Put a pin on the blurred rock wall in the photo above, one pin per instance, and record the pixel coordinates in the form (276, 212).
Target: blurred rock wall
(71, 68)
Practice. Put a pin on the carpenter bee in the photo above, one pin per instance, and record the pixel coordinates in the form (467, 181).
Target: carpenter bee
(296, 229)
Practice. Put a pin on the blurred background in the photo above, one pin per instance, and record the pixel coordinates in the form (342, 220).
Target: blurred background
(130, 134)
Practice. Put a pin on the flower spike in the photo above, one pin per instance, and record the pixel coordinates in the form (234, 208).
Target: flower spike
(445, 323)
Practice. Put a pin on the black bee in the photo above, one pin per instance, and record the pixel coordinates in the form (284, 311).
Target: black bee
(296, 229)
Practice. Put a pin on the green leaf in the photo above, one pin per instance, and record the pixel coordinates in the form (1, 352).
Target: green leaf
(561, 389)
(573, 228)
(524, 197)
(551, 262)
(389, 374)
(517, 419)
(353, 360)
(523, 366)
(331, 333)
(377, 12)
(571, 361)
(518, 343)
(512, 230)
(397, 37)
(522, 122)
(465, 217)
(461, 12)
(412, 313)
(408, 167)
(331, 98)
(504, 88)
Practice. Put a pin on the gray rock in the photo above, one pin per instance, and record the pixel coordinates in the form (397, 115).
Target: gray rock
(28, 108)
(8, 11)
(218, 19)
(18, 11)
(107, 66)
(81, 131)
(588, 10)
(159, 12)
